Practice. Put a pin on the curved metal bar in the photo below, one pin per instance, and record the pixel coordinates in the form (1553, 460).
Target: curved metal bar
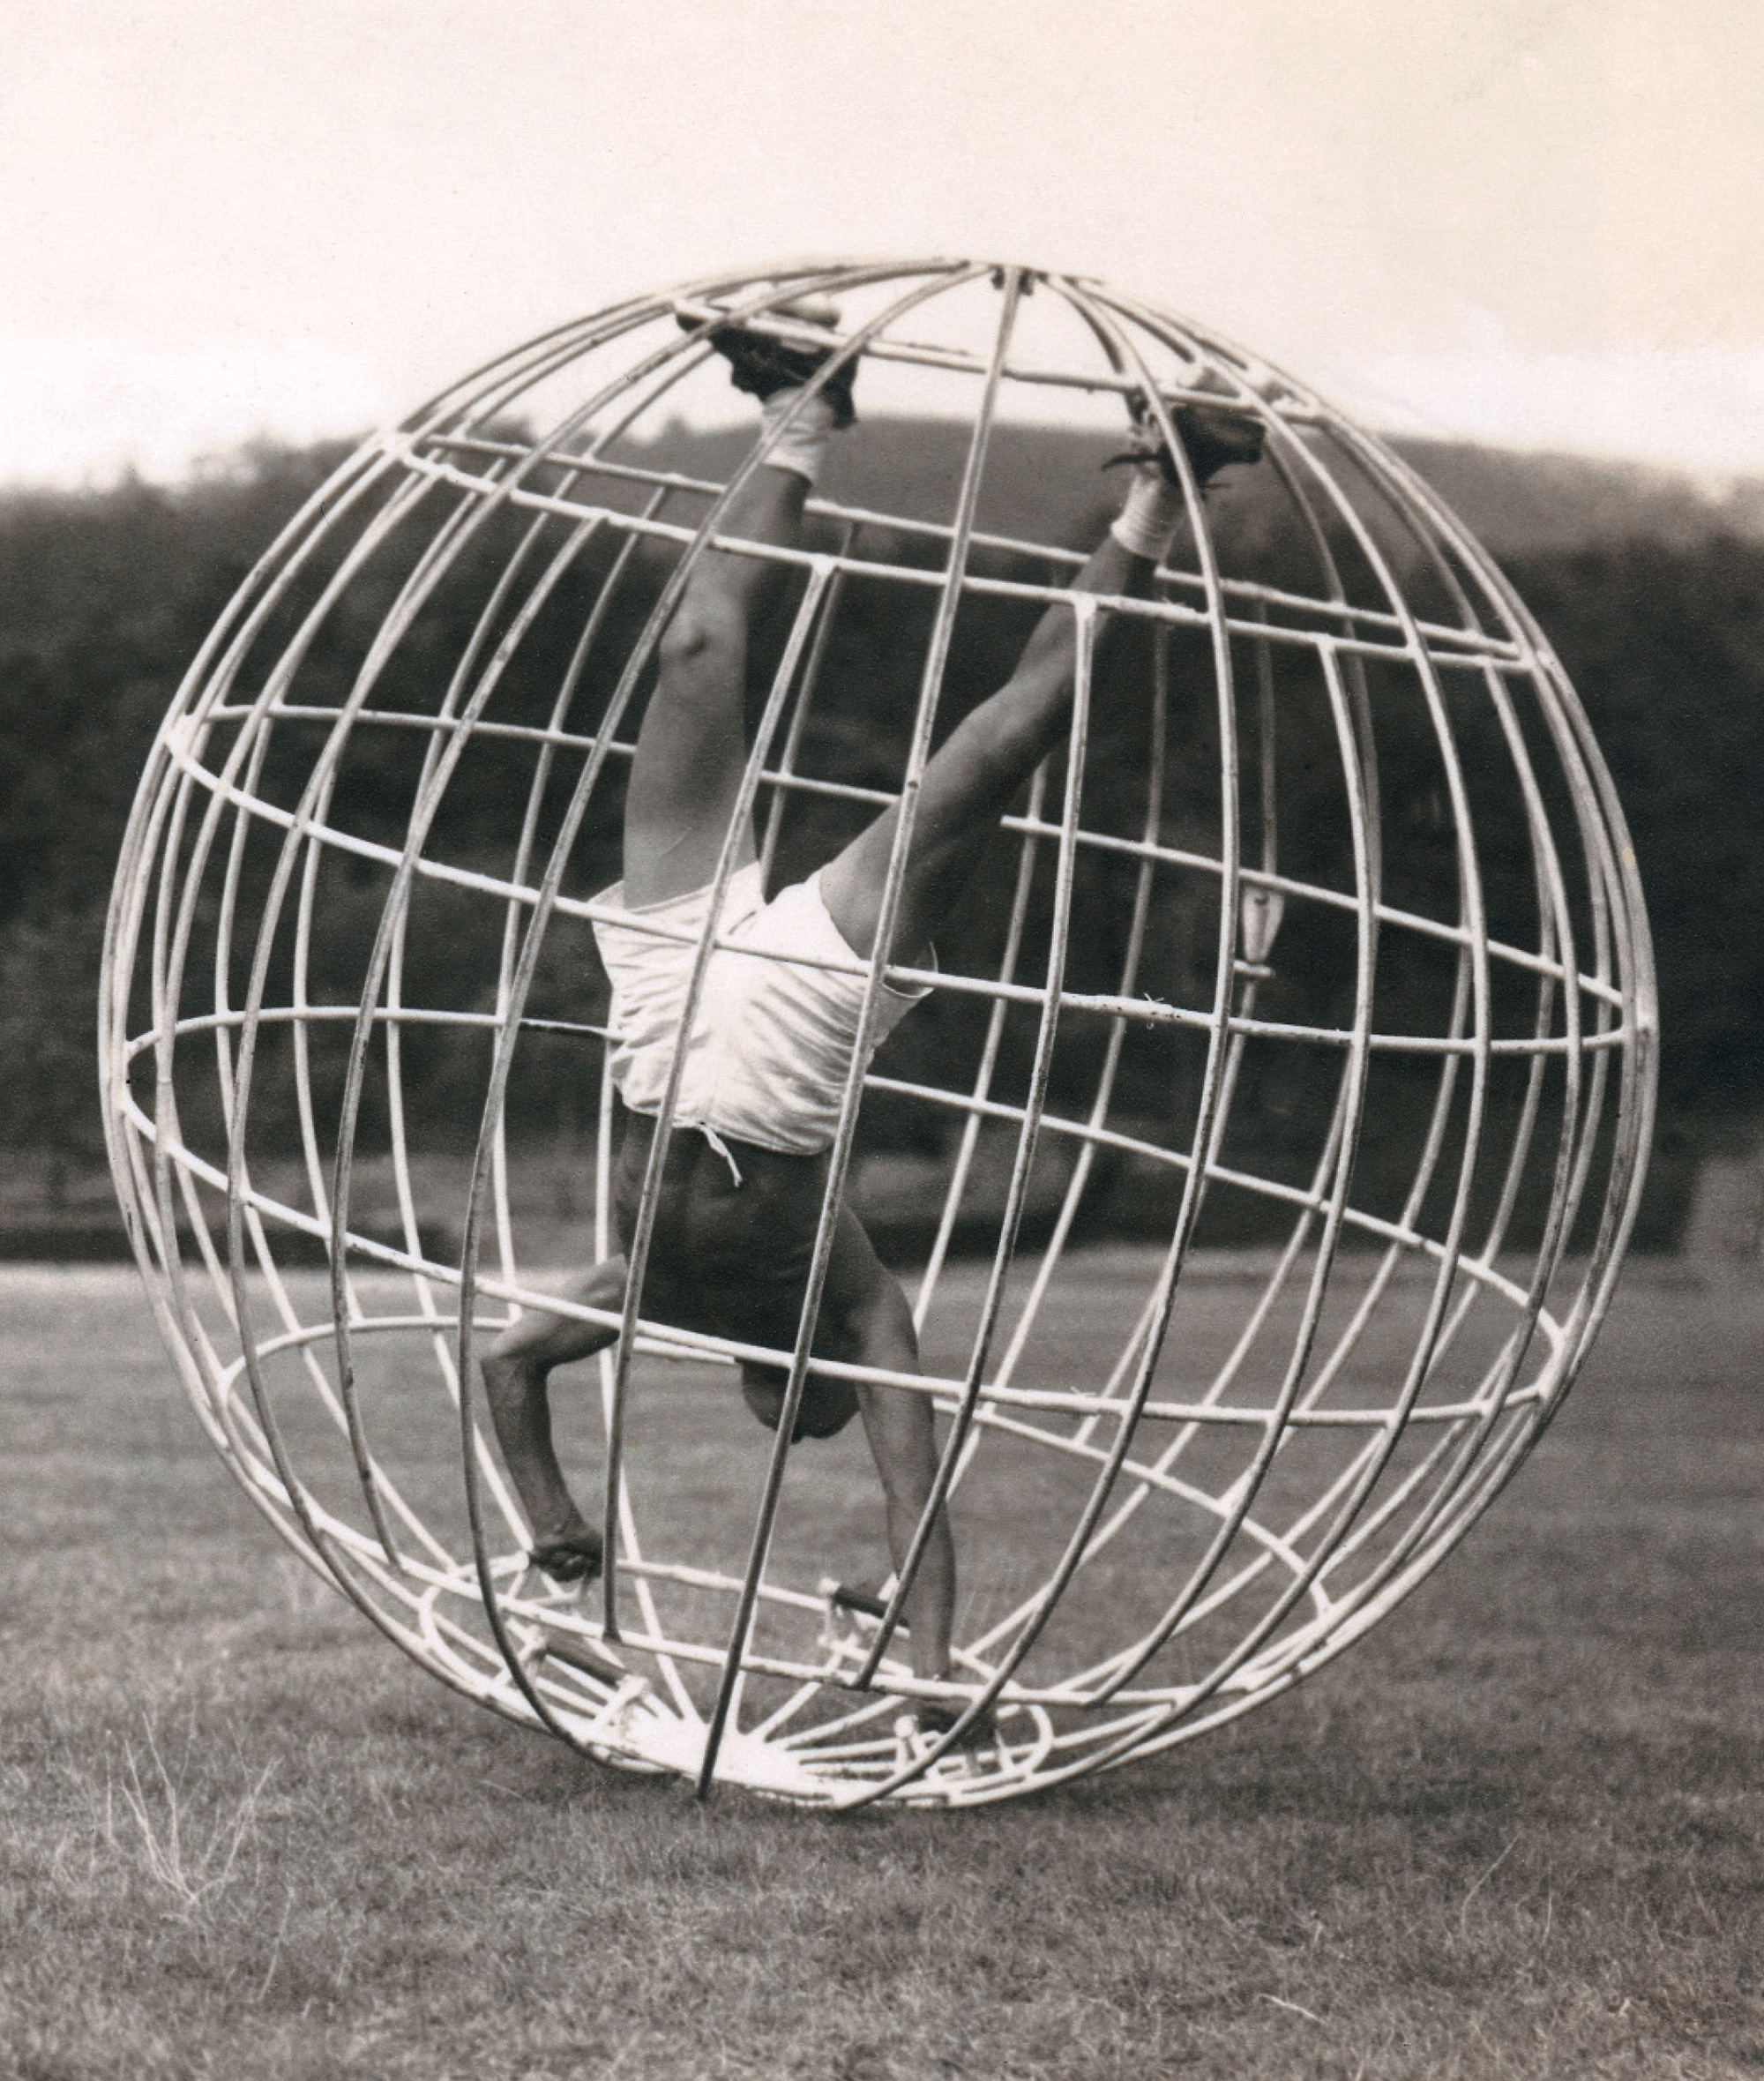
(1359, 697)
(1129, 1507)
(799, 715)
(931, 686)
(440, 765)
(1363, 733)
(542, 767)
(1615, 878)
(984, 1071)
(1083, 642)
(1138, 917)
(440, 760)
(1249, 1483)
(172, 943)
(1426, 1343)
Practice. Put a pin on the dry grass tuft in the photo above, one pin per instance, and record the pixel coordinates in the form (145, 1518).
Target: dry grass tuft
(185, 1844)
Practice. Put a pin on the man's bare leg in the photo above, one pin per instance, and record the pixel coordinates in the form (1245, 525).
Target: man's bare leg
(971, 780)
(517, 1381)
(691, 752)
(979, 768)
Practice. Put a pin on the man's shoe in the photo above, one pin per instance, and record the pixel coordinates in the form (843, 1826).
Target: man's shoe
(574, 1559)
(760, 363)
(937, 1717)
(1214, 437)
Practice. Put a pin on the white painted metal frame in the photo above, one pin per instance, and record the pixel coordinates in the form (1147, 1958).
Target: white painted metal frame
(1275, 1584)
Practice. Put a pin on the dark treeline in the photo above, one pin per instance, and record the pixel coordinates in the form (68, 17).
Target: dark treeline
(1655, 601)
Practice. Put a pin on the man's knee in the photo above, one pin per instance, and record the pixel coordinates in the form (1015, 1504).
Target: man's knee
(703, 631)
(509, 1347)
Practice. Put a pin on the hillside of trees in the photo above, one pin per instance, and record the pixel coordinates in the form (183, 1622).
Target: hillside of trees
(1653, 594)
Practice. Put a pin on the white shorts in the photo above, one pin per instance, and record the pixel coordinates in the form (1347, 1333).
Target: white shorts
(771, 1040)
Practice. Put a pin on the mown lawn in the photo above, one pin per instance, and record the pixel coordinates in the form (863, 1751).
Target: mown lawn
(1518, 1831)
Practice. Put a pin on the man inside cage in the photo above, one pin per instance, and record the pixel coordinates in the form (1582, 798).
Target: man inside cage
(771, 1040)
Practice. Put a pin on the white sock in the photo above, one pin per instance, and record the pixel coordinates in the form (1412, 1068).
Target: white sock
(1154, 509)
(802, 447)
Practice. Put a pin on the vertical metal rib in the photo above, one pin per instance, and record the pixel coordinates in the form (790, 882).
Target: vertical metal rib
(1084, 651)
(930, 690)
(799, 713)
(820, 576)
(955, 1190)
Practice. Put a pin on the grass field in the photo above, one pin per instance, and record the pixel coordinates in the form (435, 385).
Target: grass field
(1518, 1831)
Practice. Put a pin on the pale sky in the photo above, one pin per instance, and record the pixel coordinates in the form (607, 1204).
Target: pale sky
(1532, 221)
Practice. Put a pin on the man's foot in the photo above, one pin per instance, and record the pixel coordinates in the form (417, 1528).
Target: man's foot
(843, 1597)
(579, 1654)
(761, 364)
(934, 1717)
(574, 1558)
(1214, 437)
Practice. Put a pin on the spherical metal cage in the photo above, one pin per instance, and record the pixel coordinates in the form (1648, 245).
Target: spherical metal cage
(1319, 974)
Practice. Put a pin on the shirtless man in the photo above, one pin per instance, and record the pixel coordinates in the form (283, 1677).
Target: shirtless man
(747, 1164)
